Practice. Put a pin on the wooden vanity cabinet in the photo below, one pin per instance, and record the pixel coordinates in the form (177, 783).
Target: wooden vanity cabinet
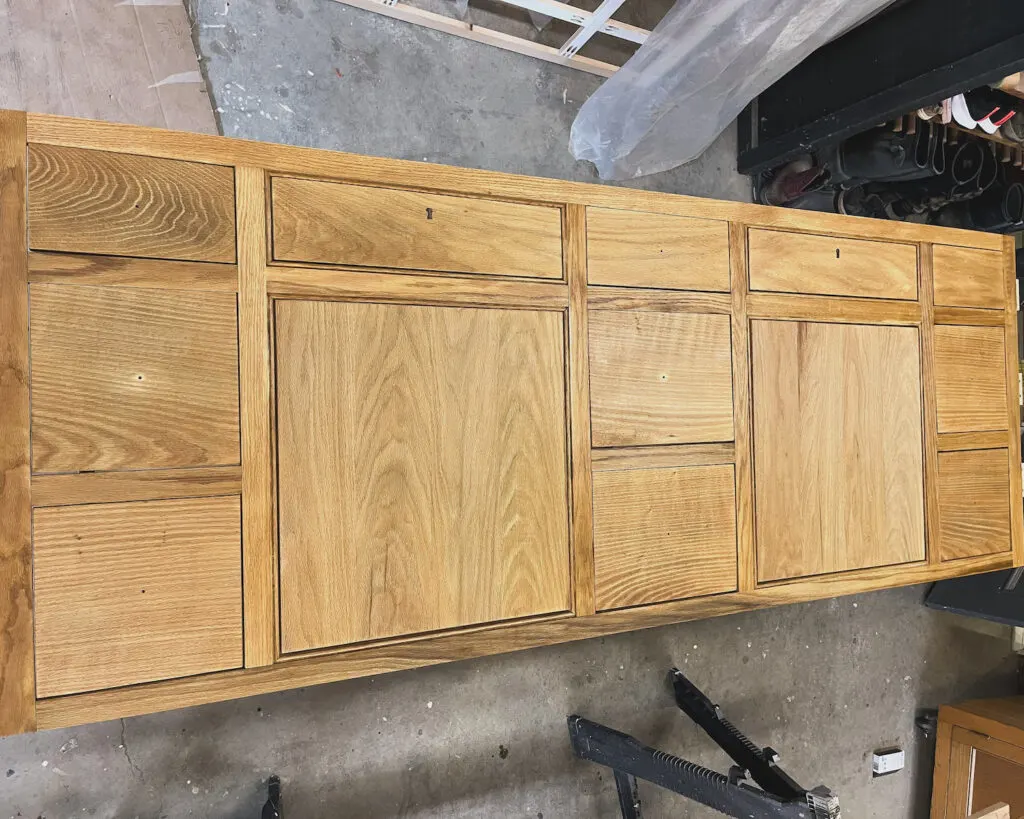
(292, 416)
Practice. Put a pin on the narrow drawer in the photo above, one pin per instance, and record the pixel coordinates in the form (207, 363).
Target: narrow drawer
(966, 277)
(829, 266)
(131, 378)
(970, 379)
(83, 201)
(974, 503)
(659, 378)
(631, 249)
(664, 534)
(334, 223)
(128, 593)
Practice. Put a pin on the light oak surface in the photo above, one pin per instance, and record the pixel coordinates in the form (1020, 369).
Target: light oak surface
(132, 592)
(966, 277)
(17, 676)
(135, 485)
(649, 457)
(970, 379)
(974, 503)
(831, 266)
(422, 469)
(659, 378)
(123, 205)
(838, 464)
(354, 225)
(131, 378)
(664, 534)
(654, 250)
(124, 271)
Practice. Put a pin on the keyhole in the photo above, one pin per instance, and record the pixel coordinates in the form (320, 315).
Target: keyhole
(430, 213)
(837, 252)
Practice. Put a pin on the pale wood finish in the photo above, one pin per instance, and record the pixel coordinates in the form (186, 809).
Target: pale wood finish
(352, 285)
(830, 266)
(75, 268)
(932, 521)
(940, 774)
(133, 592)
(650, 457)
(259, 559)
(131, 378)
(1000, 810)
(135, 485)
(119, 138)
(332, 223)
(1013, 387)
(966, 277)
(833, 309)
(581, 486)
(659, 378)
(838, 466)
(653, 250)
(974, 503)
(969, 315)
(997, 781)
(17, 673)
(423, 471)
(958, 788)
(970, 379)
(664, 534)
(952, 441)
(83, 201)
(663, 301)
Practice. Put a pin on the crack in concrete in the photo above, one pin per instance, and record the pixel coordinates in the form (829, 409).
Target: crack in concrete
(135, 769)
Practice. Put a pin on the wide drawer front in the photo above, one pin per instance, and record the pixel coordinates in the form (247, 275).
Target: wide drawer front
(334, 223)
(830, 266)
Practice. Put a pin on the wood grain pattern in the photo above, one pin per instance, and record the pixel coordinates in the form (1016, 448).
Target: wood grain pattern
(259, 553)
(970, 379)
(950, 441)
(1013, 388)
(1001, 718)
(1000, 810)
(332, 223)
(664, 534)
(742, 418)
(83, 201)
(133, 592)
(659, 378)
(76, 268)
(930, 422)
(581, 488)
(650, 457)
(653, 250)
(426, 650)
(974, 503)
(838, 465)
(958, 787)
(17, 674)
(830, 266)
(967, 277)
(657, 301)
(969, 315)
(69, 131)
(423, 471)
(396, 288)
(129, 378)
(998, 782)
(135, 485)
(832, 309)
(940, 774)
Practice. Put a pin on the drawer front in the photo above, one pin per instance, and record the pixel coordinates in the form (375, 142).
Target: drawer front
(128, 593)
(974, 503)
(334, 223)
(664, 534)
(631, 249)
(129, 378)
(965, 277)
(838, 463)
(659, 378)
(970, 379)
(82, 201)
(829, 266)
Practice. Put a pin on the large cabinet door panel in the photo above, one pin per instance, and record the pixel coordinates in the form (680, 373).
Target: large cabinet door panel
(422, 469)
(838, 470)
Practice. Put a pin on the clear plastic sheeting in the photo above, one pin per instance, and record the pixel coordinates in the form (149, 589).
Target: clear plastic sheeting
(697, 71)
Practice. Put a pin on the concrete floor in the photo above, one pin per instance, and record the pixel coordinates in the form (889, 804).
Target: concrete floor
(823, 683)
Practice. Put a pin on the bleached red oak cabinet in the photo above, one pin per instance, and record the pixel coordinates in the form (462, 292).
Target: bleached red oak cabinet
(274, 416)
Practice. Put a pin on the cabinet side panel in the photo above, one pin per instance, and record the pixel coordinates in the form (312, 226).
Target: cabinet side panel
(1013, 398)
(17, 674)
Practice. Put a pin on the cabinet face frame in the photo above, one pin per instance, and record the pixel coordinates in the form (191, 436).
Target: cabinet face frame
(258, 282)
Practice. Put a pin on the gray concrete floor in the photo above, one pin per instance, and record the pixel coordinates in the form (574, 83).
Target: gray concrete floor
(823, 683)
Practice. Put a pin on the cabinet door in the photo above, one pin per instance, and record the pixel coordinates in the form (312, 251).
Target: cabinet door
(422, 469)
(838, 470)
(979, 772)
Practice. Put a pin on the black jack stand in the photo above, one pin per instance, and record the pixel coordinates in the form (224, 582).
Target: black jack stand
(779, 797)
